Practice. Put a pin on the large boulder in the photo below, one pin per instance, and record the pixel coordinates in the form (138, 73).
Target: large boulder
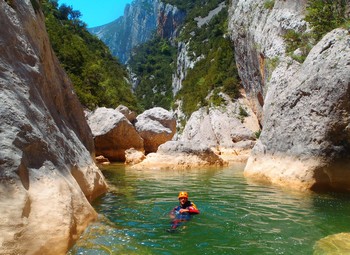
(305, 142)
(47, 174)
(113, 134)
(129, 114)
(156, 126)
(133, 156)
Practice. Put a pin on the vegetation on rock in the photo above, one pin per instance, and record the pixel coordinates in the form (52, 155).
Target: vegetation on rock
(323, 16)
(98, 78)
(154, 63)
(215, 70)
(326, 15)
(269, 4)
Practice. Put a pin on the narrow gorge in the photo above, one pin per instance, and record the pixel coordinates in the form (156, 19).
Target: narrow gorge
(251, 84)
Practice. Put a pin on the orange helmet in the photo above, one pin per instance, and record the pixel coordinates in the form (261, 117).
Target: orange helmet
(183, 194)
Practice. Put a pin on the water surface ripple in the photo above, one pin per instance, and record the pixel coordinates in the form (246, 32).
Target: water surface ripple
(237, 216)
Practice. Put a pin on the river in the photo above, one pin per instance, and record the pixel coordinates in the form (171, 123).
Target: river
(237, 216)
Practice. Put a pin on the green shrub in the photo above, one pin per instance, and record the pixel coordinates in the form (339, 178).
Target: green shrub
(272, 63)
(242, 112)
(269, 4)
(323, 16)
(295, 40)
(326, 15)
(257, 134)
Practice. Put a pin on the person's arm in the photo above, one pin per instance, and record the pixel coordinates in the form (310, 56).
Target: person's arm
(185, 210)
(192, 209)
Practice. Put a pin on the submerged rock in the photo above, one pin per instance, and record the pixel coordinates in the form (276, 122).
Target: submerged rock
(47, 174)
(337, 244)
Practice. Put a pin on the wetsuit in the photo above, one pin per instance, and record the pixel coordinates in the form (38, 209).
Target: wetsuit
(179, 217)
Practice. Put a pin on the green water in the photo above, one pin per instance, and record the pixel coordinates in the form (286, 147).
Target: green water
(237, 216)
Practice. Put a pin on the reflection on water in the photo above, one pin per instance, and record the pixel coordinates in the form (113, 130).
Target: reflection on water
(237, 217)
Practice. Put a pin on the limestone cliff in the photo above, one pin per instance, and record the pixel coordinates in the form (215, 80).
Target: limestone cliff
(304, 108)
(257, 34)
(47, 175)
(141, 19)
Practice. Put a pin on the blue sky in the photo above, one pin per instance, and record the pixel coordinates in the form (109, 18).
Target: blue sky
(97, 12)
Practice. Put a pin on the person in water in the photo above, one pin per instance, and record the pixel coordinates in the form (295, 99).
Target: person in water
(183, 211)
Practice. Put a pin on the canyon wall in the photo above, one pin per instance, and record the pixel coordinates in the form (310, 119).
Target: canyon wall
(47, 175)
(304, 108)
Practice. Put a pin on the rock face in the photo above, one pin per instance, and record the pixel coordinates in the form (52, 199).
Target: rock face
(141, 19)
(169, 19)
(113, 134)
(135, 27)
(305, 139)
(257, 34)
(218, 127)
(308, 120)
(47, 175)
(223, 129)
(156, 126)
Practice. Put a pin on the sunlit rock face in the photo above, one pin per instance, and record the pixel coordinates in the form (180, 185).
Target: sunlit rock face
(223, 129)
(140, 20)
(306, 134)
(257, 34)
(305, 108)
(218, 127)
(113, 133)
(47, 175)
